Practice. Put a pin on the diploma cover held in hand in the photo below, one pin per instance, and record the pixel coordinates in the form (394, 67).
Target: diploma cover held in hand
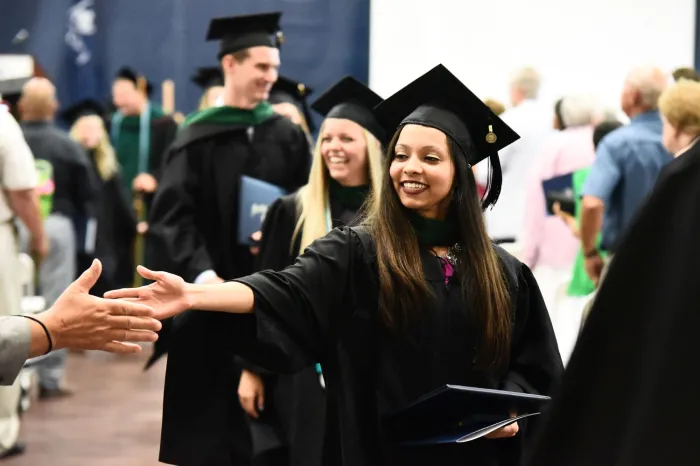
(560, 189)
(254, 199)
(458, 414)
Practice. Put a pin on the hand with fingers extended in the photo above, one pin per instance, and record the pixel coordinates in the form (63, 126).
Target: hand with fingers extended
(166, 295)
(80, 321)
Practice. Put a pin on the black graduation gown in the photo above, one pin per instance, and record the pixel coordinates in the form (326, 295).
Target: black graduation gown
(116, 229)
(630, 393)
(296, 407)
(193, 219)
(324, 308)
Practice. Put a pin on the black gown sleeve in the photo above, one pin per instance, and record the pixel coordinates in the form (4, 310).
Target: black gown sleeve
(305, 302)
(173, 233)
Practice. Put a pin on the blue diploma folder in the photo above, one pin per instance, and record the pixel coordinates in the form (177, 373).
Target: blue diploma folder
(254, 198)
(458, 414)
(560, 189)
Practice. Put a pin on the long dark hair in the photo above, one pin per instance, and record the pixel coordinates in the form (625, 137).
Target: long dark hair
(403, 291)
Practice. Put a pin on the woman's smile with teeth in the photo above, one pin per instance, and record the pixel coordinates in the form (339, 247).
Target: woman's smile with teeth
(337, 159)
(413, 186)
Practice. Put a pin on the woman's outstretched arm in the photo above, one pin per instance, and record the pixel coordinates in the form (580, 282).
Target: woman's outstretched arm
(170, 295)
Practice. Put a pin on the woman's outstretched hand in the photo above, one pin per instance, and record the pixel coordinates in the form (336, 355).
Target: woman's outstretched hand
(166, 295)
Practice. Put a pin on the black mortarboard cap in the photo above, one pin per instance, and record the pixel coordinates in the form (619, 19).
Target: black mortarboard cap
(130, 75)
(352, 100)
(208, 76)
(242, 32)
(81, 109)
(439, 100)
(293, 92)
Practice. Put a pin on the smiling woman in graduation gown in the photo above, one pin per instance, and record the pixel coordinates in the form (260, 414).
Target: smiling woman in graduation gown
(346, 163)
(416, 299)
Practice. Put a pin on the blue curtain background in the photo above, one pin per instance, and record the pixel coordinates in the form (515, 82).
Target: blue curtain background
(164, 39)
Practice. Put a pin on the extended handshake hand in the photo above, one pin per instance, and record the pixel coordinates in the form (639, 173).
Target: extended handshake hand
(80, 321)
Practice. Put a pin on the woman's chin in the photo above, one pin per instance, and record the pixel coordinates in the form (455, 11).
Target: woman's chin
(411, 203)
(339, 175)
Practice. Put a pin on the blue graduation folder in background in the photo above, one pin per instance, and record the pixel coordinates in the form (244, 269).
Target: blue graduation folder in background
(459, 414)
(254, 199)
(560, 189)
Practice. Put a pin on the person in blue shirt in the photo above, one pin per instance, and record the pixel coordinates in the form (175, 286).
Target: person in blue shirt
(626, 166)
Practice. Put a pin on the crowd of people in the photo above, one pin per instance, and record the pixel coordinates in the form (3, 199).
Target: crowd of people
(416, 245)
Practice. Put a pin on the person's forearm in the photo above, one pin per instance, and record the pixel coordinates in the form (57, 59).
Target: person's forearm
(25, 204)
(591, 222)
(231, 297)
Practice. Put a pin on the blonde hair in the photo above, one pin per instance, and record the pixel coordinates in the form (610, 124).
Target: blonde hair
(527, 80)
(105, 158)
(313, 198)
(495, 106)
(680, 105)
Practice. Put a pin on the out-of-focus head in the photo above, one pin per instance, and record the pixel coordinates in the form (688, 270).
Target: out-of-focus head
(86, 120)
(577, 110)
(38, 100)
(126, 95)
(680, 112)
(210, 80)
(603, 129)
(525, 84)
(642, 89)
(290, 99)
(496, 106)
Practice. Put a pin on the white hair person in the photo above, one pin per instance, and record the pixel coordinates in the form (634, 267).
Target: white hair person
(579, 110)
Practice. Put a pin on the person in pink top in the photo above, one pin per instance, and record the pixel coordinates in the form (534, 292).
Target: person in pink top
(549, 247)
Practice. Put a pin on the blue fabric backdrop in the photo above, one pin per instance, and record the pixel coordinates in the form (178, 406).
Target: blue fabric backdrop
(325, 39)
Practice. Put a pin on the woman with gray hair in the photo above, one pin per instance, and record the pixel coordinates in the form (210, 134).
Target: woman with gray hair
(549, 247)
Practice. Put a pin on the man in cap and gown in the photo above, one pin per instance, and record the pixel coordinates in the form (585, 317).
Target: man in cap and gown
(140, 131)
(194, 219)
